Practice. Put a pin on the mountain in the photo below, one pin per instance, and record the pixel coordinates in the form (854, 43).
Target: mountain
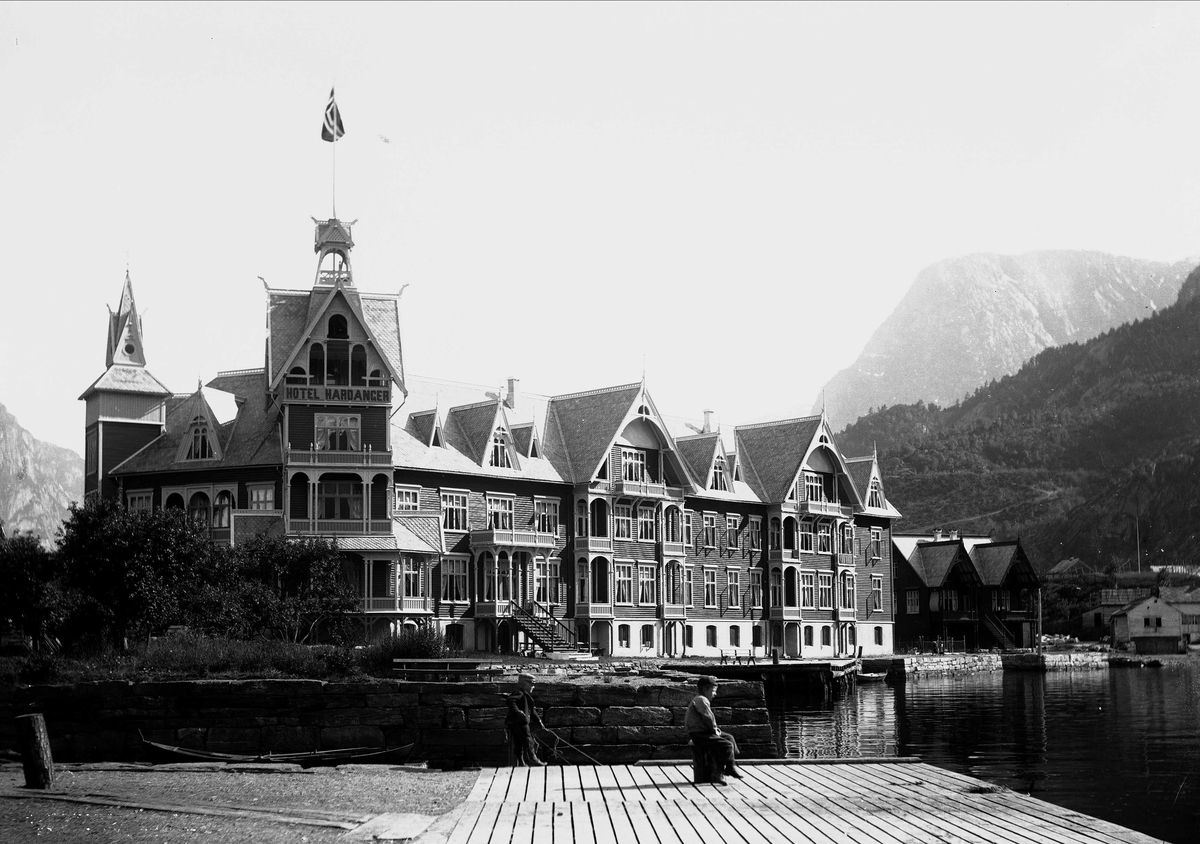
(1088, 450)
(37, 481)
(966, 321)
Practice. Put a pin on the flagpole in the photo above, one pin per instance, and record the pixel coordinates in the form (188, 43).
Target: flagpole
(335, 140)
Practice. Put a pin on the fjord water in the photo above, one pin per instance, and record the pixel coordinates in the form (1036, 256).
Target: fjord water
(1122, 744)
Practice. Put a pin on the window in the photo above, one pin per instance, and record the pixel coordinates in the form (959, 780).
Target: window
(624, 583)
(646, 585)
(808, 590)
(847, 591)
(806, 537)
(734, 589)
(852, 635)
(91, 451)
(198, 509)
(623, 636)
(825, 591)
(1000, 600)
(672, 527)
(847, 545)
(647, 637)
(719, 480)
(755, 533)
(412, 578)
(756, 637)
(581, 518)
(879, 635)
(500, 513)
(731, 532)
(337, 432)
(623, 520)
(222, 509)
(687, 528)
(262, 497)
(688, 586)
(813, 488)
(200, 447)
(875, 495)
(545, 516)
(876, 593)
(775, 535)
(912, 601)
(340, 500)
(687, 636)
(633, 465)
(546, 581)
(454, 511)
(949, 600)
(876, 549)
(646, 524)
(776, 588)
(139, 502)
(735, 636)
(710, 531)
(408, 498)
(499, 457)
(710, 587)
(756, 588)
(826, 636)
(454, 579)
(824, 538)
(808, 636)
(710, 636)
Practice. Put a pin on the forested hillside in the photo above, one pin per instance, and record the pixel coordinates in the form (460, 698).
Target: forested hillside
(1082, 444)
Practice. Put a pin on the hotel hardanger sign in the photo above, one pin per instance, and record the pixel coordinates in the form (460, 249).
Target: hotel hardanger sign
(339, 395)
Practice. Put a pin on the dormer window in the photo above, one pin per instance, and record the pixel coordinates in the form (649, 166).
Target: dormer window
(337, 328)
(719, 480)
(633, 465)
(500, 456)
(875, 495)
(200, 447)
(337, 432)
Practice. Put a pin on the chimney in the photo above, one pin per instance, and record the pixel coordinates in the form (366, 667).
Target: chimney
(707, 422)
(510, 401)
(954, 534)
(937, 535)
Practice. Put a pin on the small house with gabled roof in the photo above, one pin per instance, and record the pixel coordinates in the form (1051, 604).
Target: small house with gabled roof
(504, 518)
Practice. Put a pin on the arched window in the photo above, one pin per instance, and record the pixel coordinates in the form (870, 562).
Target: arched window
(735, 636)
(500, 456)
(808, 636)
(623, 635)
(719, 480)
(222, 509)
(337, 327)
(672, 525)
(774, 538)
(710, 635)
(174, 502)
(647, 637)
(879, 635)
(316, 363)
(358, 366)
(600, 580)
(297, 375)
(789, 583)
(826, 636)
(789, 534)
(599, 517)
(198, 510)
(200, 448)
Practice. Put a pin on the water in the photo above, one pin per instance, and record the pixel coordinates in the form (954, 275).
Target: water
(1122, 745)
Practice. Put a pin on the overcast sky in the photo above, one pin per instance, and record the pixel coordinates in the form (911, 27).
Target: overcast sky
(730, 196)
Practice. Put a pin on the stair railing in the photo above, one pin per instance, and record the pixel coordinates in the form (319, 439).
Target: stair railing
(543, 615)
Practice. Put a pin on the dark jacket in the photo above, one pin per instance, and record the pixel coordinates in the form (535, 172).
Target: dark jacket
(521, 711)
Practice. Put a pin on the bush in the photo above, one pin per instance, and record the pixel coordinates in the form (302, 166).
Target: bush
(422, 643)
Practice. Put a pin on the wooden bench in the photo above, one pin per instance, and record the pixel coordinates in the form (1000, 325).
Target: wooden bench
(739, 657)
(451, 669)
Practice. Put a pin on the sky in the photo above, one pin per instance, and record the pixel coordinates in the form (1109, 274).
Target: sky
(726, 198)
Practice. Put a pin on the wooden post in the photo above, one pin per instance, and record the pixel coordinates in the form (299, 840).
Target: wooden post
(35, 751)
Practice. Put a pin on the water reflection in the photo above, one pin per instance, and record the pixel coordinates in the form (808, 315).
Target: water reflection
(1123, 745)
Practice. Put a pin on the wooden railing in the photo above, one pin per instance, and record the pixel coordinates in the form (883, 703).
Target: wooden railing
(310, 457)
(340, 527)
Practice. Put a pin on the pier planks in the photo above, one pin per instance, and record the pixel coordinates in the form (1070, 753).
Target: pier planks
(863, 803)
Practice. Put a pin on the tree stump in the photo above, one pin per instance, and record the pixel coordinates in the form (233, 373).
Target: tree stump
(35, 751)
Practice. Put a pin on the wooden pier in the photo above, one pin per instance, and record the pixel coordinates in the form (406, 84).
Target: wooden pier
(865, 802)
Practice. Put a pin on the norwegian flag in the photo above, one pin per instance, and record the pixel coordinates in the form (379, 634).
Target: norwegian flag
(332, 128)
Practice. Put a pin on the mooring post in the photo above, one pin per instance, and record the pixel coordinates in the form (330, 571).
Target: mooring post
(35, 751)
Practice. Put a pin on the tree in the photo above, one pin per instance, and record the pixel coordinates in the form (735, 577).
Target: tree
(133, 571)
(27, 571)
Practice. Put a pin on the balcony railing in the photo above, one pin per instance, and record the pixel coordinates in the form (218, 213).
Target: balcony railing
(645, 489)
(784, 613)
(307, 457)
(589, 609)
(493, 609)
(671, 549)
(844, 560)
(825, 508)
(340, 527)
(397, 604)
(593, 543)
(672, 611)
(519, 538)
(778, 555)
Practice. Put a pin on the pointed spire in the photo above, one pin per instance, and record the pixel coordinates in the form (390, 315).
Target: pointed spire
(125, 330)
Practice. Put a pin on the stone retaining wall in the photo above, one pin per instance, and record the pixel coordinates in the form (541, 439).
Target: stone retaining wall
(459, 723)
(916, 664)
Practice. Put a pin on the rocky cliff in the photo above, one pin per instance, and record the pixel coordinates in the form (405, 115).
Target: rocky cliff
(37, 481)
(969, 320)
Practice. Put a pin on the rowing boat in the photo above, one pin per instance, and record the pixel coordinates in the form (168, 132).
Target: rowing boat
(165, 753)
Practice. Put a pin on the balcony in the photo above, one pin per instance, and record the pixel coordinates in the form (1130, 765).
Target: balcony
(825, 508)
(395, 604)
(589, 609)
(784, 613)
(513, 538)
(493, 609)
(844, 561)
(340, 527)
(645, 489)
(298, 458)
(593, 543)
(671, 549)
(669, 612)
(844, 614)
(779, 555)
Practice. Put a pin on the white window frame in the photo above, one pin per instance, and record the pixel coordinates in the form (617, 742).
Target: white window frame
(634, 465)
(731, 532)
(454, 501)
(733, 587)
(755, 533)
(846, 545)
(825, 594)
(912, 601)
(501, 511)
(824, 538)
(756, 593)
(646, 524)
(455, 582)
(623, 576)
(807, 542)
(412, 577)
(687, 527)
(622, 521)
(808, 590)
(545, 515)
(876, 592)
(256, 496)
(876, 543)
(408, 498)
(326, 425)
(139, 500)
(689, 586)
(776, 586)
(719, 481)
(814, 487)
(500, 455)
(875, 495)
(647, 580)
(710, 530)
(847, 590)
(710, 587)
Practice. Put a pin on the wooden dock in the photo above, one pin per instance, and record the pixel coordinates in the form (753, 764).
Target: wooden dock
(874, 802)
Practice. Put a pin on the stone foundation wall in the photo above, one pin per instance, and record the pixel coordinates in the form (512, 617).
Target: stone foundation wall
(916, 664)
(461, 723)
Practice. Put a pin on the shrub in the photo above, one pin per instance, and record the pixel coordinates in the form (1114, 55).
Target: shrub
(422, 643)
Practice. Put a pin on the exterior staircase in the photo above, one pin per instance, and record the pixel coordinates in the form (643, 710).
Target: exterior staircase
(547, 632)
(998, 631)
